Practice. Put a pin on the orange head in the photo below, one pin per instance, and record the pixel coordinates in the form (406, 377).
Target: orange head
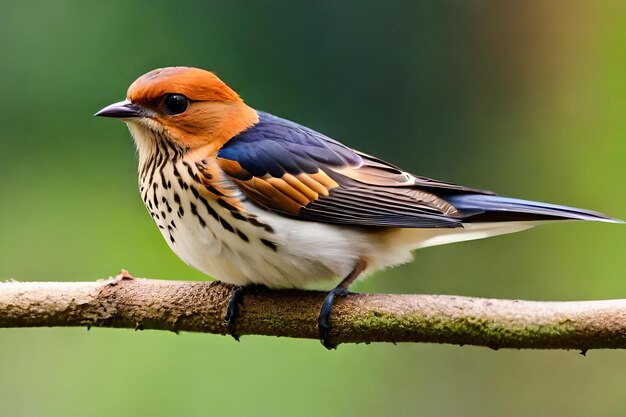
(193, 108)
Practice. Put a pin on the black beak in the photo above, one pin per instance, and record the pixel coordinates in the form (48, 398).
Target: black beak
(122, 110)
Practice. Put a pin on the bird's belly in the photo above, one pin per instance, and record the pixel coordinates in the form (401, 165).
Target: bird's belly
(294, 254)
(259, 247)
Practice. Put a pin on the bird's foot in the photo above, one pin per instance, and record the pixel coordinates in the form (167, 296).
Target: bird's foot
(232, 310)
(323, 321)
(234, 304)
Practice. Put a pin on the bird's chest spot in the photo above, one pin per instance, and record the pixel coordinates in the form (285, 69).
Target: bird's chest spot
(196, 219)
(166, 212)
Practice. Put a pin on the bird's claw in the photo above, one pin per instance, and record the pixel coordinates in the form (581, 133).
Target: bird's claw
(323, 320)
(232, 311)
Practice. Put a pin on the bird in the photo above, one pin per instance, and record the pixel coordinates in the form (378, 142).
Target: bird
(251, 198)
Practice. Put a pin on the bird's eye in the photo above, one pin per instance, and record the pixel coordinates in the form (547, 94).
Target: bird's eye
(175, 103)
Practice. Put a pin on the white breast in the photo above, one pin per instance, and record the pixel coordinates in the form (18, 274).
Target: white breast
(262, 247)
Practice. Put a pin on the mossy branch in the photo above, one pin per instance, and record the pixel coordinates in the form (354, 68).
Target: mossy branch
(124, 302)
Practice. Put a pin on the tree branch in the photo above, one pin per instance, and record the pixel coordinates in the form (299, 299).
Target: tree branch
(125, 302)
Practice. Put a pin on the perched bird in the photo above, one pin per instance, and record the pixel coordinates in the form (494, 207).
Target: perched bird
(251, 198)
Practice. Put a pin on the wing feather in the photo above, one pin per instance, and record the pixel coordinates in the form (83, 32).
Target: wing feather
(296, 171)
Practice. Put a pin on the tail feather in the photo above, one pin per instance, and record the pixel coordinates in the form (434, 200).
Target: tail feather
(491, 208)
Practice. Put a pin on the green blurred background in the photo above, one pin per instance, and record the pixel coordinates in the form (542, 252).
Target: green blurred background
(524, 98)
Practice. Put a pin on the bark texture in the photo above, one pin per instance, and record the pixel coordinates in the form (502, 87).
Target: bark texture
(125, 302)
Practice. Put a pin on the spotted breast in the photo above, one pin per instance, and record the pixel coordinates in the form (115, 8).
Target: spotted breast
(211, 225)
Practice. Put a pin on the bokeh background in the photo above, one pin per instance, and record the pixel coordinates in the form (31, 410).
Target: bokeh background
(526, 98)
